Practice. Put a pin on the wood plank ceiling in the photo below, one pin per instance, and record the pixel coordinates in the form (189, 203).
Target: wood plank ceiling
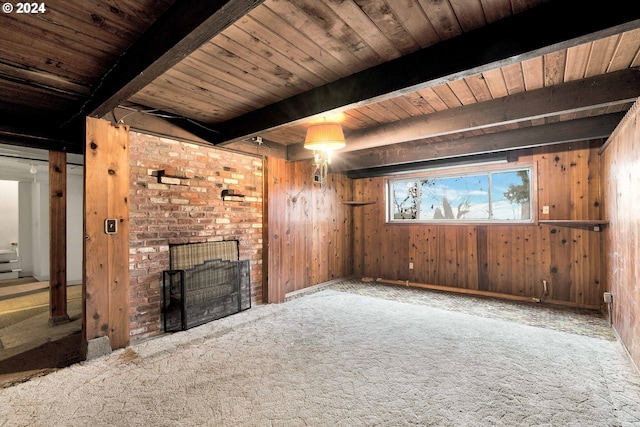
(405, 73)
(51, 61)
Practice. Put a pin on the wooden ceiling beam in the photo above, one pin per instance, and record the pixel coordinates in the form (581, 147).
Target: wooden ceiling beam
(523, 36)
(35, 131)
(164, 125)
(414, 154)
(185, 27)
(604, 90)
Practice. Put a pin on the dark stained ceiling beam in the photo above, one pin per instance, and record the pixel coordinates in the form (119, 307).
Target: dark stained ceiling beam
(554, 25)
(29, 139)
(185, 27)
(164, 125)
(606, 90)
(416, 154)
(158, 124)
(32, 130)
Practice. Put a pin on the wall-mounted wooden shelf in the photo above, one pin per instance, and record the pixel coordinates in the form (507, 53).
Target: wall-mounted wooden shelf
(231, 196)
(352, 203)
(575, 222)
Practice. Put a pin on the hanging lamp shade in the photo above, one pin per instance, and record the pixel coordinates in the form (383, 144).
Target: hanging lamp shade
(324, 137)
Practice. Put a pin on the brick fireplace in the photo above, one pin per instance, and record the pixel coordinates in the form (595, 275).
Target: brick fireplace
(176, 197)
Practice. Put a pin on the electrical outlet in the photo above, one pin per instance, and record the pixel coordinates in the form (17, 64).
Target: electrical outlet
(545, 210)
(410, 266)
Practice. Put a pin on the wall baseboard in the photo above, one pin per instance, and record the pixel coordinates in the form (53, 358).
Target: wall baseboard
(476, 292)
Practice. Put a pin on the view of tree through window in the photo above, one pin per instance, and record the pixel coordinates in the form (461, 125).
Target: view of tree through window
(490, 196)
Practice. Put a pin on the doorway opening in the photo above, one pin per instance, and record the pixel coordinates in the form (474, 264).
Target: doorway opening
(29, 344)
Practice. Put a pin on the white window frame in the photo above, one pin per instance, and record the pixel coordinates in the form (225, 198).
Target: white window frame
(461, 172)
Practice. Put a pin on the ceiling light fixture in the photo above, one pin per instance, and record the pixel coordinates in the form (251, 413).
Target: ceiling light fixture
(323, 138)
(33, 170)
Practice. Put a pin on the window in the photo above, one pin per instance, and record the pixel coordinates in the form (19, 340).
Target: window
(498, 195)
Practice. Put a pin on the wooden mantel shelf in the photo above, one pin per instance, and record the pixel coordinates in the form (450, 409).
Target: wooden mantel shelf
(353, 203)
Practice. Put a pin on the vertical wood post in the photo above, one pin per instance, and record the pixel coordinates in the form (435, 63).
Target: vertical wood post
(106, 244)
(58, 237)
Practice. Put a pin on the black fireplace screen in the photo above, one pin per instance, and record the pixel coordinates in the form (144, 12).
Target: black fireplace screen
(208, 291)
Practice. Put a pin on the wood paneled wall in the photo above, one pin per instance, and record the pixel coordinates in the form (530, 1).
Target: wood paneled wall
(503, 259)
(621, 176)
(106, 266)
(308, 228)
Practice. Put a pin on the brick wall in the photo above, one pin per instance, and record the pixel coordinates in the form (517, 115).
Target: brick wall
(185, 206)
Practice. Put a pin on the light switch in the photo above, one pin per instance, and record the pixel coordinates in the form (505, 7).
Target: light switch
(545, 210)
(110, 226)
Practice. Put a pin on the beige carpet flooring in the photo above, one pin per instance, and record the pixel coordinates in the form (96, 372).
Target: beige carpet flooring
(336, 358)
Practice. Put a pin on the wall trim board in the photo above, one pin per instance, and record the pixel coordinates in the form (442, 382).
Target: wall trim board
(311, 289)
(624, 348)
(474, 292)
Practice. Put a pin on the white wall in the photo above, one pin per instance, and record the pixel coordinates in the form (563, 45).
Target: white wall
(40, 230)
(75, 218)
(28, 203)
(26, 239)
(24, 218)
(9, 213)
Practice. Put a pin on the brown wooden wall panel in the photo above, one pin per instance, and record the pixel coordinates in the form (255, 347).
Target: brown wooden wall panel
(118, 244)
(560, 244)
(106, 270)
(504, 259)
(621, 176)
(309, 228)
(272, 244)
(58, 237)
